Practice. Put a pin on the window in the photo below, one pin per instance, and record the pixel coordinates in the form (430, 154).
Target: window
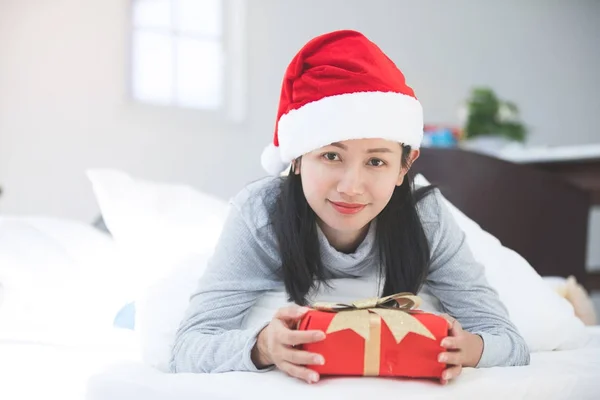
(182, 53)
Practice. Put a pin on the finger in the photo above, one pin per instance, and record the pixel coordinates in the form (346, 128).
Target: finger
(299, 372)
(451, 372)
(294, 338)
(291, 313)
(300, 357)
(456, 329)
(453, 358)
(452, 342)
(454, 326)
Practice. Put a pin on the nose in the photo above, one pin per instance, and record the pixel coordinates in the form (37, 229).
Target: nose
(352, 182)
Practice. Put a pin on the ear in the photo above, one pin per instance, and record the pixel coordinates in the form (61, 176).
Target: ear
(414, 154)
(412, 157)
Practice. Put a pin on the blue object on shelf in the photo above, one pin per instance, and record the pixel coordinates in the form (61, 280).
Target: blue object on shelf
(439, 138)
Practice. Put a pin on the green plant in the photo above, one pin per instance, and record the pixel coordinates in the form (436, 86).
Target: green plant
(488, 115)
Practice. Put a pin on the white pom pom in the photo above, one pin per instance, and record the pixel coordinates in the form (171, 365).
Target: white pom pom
(271, 160)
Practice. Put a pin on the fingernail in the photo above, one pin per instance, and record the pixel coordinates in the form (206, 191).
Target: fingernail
(442, 358)
(320, 335)
(314, 377)
(319, 360)
(446, 375)
(444, 342)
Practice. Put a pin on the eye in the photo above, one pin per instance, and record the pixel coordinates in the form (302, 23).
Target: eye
(376, 162)
(329, 156)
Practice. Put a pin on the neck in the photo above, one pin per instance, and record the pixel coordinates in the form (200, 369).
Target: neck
(344, 241)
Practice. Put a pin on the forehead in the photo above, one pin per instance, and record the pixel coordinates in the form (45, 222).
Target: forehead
(368, 144)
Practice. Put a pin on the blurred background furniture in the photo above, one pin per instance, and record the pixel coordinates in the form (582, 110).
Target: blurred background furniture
(540, 210)
(579, 165)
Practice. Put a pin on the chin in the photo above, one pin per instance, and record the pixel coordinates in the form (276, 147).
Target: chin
(346, 223)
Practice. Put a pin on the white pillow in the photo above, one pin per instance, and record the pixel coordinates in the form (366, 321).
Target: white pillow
(156, 224)
(546, 320)
(161, 307)
(61, 281)
(166, 232)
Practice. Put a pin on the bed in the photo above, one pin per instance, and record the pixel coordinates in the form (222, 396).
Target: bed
(59, 294)
(154, 222)
(561, 375)
(571, 374)
(31, 369)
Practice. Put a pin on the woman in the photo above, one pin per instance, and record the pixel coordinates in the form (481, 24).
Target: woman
(350, 127)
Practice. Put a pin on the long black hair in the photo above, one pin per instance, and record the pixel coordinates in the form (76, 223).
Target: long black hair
(403, 248)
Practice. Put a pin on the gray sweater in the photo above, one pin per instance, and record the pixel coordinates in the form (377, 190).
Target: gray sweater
(244, 266)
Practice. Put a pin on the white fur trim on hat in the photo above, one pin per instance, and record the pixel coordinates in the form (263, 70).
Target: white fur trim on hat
(271, 160)
(361, 115)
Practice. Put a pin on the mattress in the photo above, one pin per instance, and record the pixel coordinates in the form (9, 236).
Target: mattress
(37, 370)
(572, 374)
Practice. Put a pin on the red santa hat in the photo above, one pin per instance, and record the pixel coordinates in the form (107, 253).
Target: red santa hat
(341, 86)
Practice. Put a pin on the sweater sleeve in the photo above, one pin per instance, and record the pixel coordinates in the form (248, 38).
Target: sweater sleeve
(459, 282)
(210, 338)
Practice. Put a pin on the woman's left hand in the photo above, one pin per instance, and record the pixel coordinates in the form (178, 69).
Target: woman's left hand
(463, 349)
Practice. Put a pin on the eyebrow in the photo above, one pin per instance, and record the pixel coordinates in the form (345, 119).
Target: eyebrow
(377, 150)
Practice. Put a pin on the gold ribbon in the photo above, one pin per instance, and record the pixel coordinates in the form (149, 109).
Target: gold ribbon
(364, 317)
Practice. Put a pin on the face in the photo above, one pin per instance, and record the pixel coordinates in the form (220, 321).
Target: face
(348, 183)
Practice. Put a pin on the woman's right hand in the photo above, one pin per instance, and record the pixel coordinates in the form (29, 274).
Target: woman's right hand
(275, 342)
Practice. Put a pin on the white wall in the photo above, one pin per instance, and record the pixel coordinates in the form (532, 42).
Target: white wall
(64, 106)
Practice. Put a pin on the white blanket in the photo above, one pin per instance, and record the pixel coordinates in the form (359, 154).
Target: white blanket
(33, 370)
(569, 374)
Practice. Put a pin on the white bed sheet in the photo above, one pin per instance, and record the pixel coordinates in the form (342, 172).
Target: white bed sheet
(36, 370)
(573, 374)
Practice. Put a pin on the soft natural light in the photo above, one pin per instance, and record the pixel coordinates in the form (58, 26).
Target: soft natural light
(203, 17)
(177, 53)
(152, 13)
(199, 73)
(152, 69)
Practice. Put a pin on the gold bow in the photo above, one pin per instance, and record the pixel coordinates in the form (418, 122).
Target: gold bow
(362, 317)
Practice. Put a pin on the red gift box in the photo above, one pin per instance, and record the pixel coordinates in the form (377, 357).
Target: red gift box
(377, 337)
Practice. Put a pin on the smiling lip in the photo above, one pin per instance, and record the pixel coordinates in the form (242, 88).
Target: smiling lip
(347, 208)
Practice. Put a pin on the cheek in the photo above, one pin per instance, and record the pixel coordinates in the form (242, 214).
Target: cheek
(315, 183)
(382, 189)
